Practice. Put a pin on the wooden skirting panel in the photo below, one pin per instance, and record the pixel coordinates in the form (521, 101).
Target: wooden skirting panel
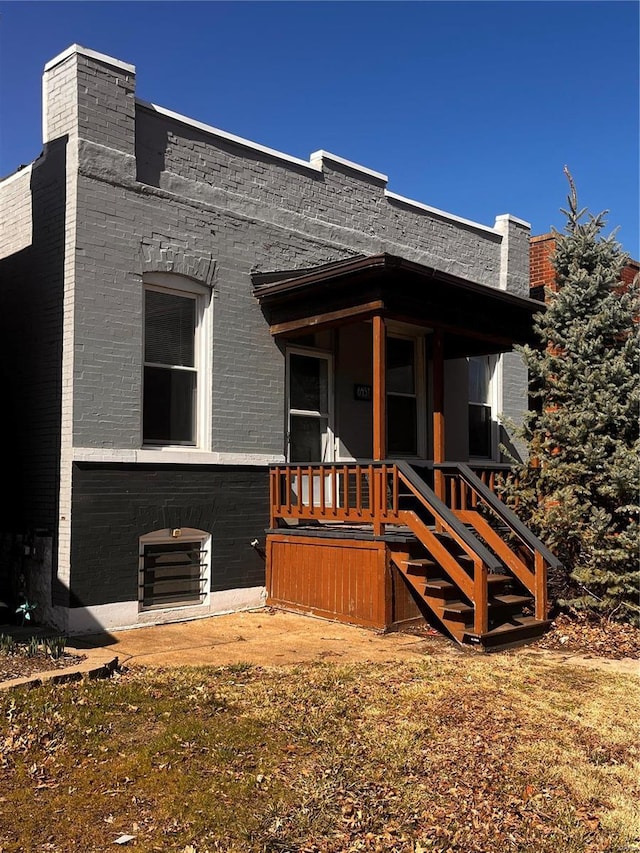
(343, 579)
(405, 609)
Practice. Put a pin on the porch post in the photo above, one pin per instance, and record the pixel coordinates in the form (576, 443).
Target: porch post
(379, 418)
(379, 389)
(438, 410)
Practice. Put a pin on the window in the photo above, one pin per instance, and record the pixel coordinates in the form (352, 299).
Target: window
(174, 398)
(174, 568)
(402, 398)
(481, 442)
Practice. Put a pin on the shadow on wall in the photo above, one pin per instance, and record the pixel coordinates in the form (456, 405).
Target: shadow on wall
(31, 363)
(512, 450)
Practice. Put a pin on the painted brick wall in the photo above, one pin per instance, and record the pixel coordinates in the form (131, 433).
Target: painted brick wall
(16, 223)
(248, 211)
(343, 208)
(31, 304)
(116, 504)
(543, 273)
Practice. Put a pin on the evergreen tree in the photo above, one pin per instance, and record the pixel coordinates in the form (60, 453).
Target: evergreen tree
(579, 489)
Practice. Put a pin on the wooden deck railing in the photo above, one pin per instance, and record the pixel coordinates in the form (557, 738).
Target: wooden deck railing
(377, 493)
(473, 500)
(357, 493)
(382, 493)
(490, 473)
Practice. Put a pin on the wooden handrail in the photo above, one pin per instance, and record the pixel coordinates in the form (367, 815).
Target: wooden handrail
(505, 513)
(533, 576)
(370, 492)
(470, 543)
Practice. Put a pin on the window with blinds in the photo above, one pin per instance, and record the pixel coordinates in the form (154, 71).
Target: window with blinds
(170, 368)
(480, 409)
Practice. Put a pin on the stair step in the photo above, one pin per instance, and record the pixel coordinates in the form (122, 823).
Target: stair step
(497, 579)
(440, 586)
(419, 567)
(496, 602)
(520, 630)
(457, 608)
(510, 600)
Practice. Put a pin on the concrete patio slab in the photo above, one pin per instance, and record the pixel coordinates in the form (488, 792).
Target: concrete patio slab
(264, 638)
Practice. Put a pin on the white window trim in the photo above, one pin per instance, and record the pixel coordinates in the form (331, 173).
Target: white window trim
(159, 537)
(330, 443)
(495, 387)
(182, 286)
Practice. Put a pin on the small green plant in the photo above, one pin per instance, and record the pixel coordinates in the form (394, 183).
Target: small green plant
(7, 644)
(239, 667)
(32, 647)
(55, 646)
(25, 610)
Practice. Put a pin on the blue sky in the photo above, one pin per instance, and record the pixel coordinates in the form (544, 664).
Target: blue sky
(470, 107)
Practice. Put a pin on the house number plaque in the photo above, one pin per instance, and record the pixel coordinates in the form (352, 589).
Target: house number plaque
(362, 392)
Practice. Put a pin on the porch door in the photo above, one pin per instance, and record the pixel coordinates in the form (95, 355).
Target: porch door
(309, 428)
(310, 414)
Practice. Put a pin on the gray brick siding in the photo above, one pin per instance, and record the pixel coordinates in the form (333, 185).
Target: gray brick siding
(31, 304)
(248, 211)
(116, 504)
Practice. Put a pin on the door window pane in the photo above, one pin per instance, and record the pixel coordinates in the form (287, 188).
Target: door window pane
(308, 383)
(402, 403)
(402, 433)
(306, 439)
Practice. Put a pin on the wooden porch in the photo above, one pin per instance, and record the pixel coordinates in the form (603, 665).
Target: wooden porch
(372, 544)
(381, 541)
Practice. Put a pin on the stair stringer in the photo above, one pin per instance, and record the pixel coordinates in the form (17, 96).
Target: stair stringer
(452, 599)
(434, 604)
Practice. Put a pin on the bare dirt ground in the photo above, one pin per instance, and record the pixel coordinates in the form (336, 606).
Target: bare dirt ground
(276, 638)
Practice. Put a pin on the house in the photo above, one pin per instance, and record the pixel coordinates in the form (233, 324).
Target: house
(541, 251)
(240, 376)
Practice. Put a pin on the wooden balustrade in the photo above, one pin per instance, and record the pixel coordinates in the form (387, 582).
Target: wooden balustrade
(342, 493)
(376, 494)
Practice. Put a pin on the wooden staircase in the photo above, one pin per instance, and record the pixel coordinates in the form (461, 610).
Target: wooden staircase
(474, 574)
(510, 612)
(476, 568)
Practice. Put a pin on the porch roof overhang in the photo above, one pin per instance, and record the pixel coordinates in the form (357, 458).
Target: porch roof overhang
(475, 318)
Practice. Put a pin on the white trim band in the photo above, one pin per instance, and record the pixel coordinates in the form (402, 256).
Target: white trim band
(126, 614)
(507, 217)
(443, 213)
(319, 156)
(20, 173)
(172, 456)
(92, 54)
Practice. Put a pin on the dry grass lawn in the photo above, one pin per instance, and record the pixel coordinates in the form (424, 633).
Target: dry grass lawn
(486, 753)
